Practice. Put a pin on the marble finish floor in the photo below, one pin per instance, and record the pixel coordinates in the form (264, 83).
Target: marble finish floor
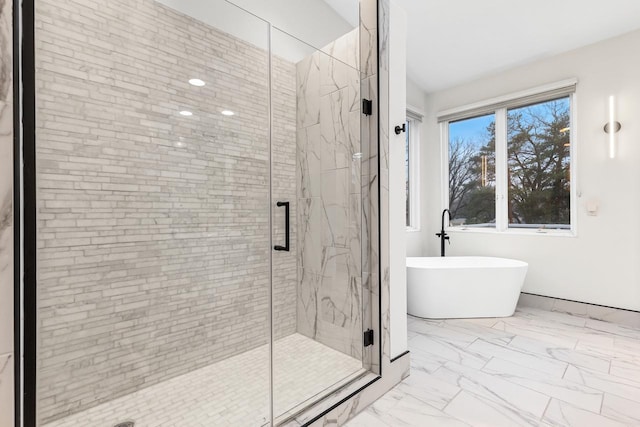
(233, 392)
(538, 368)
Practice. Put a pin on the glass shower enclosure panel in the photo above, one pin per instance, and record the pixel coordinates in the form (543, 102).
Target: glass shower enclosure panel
(154, 246)
(316, 169)
(199, 213)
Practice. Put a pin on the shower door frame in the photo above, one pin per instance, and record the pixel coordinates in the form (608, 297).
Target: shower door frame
(25, 340)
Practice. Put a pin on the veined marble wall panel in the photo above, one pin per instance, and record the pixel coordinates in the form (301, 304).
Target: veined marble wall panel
(383, 84)
(6, 216)
(394, 371)
(330, 196)
(370, 178)
(153, 227)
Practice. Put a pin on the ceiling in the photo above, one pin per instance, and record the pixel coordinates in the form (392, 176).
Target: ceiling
(348, 9)
(299, 26)
(450, 42)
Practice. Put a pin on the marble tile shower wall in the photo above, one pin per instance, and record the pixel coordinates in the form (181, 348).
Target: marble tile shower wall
(6, 216)
(330, 196)
(153, 227)
(370, 178)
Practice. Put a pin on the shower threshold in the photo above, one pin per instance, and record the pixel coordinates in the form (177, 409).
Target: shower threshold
(232, 392)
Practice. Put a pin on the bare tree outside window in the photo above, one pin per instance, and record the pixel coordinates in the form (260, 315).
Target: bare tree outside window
(538, 149)
(472, 171)
(538, 146)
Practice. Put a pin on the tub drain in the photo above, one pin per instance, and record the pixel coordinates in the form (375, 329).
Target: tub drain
(125, 424)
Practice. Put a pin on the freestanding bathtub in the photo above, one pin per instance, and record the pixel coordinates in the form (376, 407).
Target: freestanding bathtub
(460, 287)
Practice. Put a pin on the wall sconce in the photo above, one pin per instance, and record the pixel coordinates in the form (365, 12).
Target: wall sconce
(612, 127)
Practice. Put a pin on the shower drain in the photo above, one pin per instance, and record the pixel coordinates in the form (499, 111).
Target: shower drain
(125, 424)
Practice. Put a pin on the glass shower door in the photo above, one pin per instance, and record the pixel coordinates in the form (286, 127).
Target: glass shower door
(153, 221)
(316, 169)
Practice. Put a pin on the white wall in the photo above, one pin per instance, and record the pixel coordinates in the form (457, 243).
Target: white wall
(397, 196)
(416, 99)
(600, 265)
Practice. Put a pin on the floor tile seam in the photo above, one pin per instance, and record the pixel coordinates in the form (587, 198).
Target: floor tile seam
(443, 410)
(426, 402)
(602, 403)
(471, 343)
(459, 349)
(621, 377)
(486, 363)
(522, 366)
(539, 316)
(590, 412)
(551, 347)
(525, 352)
(597, 391)
(613, 335)
(539, 334)
(542, 372)
(503, 404)
(437, 337)
(452, 328)
(621, 355)
(584, 330)
(500, 401)
(546, 409)
(489, 333)
(542, 322)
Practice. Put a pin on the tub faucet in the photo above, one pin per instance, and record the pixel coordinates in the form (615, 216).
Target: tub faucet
(442, 235)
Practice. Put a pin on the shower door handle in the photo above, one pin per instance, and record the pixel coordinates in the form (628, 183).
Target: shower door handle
(286, 227)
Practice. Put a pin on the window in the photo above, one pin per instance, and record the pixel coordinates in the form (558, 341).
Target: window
(539, 159)
(472, 172)
(412, 169)
(509, 165)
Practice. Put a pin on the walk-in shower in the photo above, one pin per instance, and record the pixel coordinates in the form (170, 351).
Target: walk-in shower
(202, 196)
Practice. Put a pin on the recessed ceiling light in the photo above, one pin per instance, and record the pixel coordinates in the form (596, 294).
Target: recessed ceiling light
(186, 113)
(227, 113)
(196, 82)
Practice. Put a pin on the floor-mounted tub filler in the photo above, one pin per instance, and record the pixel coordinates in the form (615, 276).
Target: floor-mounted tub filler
(463, 287)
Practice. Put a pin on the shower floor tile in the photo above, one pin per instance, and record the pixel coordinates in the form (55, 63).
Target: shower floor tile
(537, 368)
(233, 392)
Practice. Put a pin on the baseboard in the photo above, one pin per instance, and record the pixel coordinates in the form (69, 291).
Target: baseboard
(592, 311)
(399, 356)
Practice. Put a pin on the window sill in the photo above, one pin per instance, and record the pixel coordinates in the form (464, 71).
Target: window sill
(514, 232)
(412, 230)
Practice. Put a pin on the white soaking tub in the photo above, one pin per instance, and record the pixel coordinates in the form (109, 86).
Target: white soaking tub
(461, 287)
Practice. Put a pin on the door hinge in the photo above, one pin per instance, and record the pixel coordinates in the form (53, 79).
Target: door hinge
(368, 337)
(367, 107)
